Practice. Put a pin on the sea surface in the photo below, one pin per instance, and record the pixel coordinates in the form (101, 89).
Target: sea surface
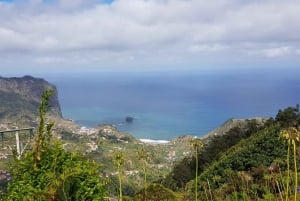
(166, 105)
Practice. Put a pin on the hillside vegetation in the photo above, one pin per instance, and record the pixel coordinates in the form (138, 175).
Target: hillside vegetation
(20, 98)
(252, 159)
(248, 164)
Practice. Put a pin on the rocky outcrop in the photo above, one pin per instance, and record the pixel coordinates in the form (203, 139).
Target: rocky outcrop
(129, 119)
(109, 132)
(20, 98)
(232, 123)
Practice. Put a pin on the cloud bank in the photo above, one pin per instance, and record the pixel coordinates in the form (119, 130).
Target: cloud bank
(148, 32)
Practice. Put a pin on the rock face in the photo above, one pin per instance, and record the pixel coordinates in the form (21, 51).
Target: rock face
(20, 98)
(109, 132)
(129, 119)
(232, 123)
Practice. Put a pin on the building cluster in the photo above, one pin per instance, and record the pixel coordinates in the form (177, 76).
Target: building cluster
(3, 156)
(87, 131)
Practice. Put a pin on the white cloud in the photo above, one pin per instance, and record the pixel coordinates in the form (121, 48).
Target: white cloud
(49, 60)
(148, 30)
(273, 51)
(208, 48)
(277, 52)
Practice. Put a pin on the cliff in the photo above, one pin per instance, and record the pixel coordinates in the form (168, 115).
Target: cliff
(234, 123)
(20, 98)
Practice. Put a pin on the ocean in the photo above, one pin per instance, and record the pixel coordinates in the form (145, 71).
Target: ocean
(166, 105)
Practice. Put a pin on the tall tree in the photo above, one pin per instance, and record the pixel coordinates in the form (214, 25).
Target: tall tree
(291, 135)
(197, 145)
(143, 156)
(118, 159)
(48, 172)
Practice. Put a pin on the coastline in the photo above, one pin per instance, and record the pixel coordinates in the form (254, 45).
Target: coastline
(150, 141)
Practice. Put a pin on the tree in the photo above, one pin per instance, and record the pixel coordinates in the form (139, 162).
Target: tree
(143, 156)
(118, 159)
(197, 145)
(48, 172)
(291, 135)
(289, 117)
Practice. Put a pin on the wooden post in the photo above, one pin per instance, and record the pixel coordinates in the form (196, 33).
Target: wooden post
(31, 134)
(18, 145)
(2, 139)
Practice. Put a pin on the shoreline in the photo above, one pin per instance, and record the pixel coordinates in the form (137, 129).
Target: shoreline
(150, 141)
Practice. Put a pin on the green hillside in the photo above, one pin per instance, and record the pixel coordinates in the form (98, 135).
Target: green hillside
(253, 168)
(244, 159)
(20, 98)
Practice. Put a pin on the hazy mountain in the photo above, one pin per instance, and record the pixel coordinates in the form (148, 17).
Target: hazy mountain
(20, 98)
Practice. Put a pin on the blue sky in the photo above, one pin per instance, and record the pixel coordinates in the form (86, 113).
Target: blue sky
(143, 35)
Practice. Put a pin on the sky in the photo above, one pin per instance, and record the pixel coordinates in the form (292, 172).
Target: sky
(144, 35)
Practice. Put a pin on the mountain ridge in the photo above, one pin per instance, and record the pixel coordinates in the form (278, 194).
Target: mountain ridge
(231, 123)
(20, 98)
(171, 164)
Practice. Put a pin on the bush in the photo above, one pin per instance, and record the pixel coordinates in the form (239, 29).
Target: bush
(48, 172)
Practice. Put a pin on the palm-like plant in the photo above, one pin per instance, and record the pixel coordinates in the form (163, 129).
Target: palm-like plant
(143, 156)
(48, 172)
(197, 144)
(119, 159)
(292, 136)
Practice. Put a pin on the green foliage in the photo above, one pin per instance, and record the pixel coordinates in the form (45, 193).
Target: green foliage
(44, 132)
(60, 176)
(233, 166)
(181, 174)
(20, 99)
(289, 117)
(185, 170)
(197, 145)
(243, 169)
(259, 150)
(119, 159)
(143, 156)
(237, 165)
(12, 103)
(291, 135)
(48, 172)
(157, 192)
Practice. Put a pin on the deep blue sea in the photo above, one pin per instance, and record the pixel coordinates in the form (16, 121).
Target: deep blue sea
(169, 104)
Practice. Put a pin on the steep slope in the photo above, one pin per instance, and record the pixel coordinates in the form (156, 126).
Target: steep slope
(261, 149)
(20, 98)
(215, 144)
(240, 164)
(234, 123)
